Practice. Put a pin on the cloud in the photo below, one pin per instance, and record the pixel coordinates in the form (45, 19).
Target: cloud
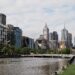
(31, 15)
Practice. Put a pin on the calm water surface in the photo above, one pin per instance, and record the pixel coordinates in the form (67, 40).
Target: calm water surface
(28, 66)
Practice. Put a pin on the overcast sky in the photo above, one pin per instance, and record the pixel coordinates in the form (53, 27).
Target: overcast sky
(31, 15)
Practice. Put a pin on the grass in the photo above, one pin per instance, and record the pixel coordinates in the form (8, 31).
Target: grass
(69, 71)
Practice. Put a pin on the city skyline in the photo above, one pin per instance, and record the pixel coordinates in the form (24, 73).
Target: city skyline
(31, 15)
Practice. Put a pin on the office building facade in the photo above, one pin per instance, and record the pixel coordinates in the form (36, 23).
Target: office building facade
(3, 34)
(14, 36)
(27, 42)
(10, 34)
(69, 40)
(66, 37)
(55, 36)
(3, 29)
(53, 40)
(3, 19)
(18, 37)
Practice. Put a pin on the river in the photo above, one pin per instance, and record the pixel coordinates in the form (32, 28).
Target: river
(29, 66)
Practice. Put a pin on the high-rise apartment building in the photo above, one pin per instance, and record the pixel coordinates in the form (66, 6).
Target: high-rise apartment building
(3, 19)
(18, 37)
(3, 29)
(14, 36)
(53, 40)
(3, 34)
(69, 40)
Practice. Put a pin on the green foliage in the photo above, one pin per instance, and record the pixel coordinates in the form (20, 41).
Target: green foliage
(17, 51)
(12, 51)
(34, 51)
(69, 71)
(25, 50)
(40, 51)
(4, 50)
(65, 51)
(8, 50)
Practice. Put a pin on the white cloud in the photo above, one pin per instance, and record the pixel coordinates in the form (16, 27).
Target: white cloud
(31, 15)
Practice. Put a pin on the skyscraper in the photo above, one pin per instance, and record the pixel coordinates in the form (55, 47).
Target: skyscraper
(64, 35)
(55, 36)
(3, 29)
(14, 36)
(3, 19)
(50, 36)
(69, 40)
(53, 40)
(46, 33)
(18, 37)
(66, 38)
(3, 34)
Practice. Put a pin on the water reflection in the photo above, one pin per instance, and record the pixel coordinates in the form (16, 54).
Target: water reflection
(28, 66)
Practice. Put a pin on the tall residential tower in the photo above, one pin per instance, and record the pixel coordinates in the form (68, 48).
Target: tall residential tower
(66, 38)
(3, 19)
(3, 29)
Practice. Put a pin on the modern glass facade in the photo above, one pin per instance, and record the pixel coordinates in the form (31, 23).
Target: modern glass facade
(66, 37)
(18, 37)
(27, 42)
(53, 40)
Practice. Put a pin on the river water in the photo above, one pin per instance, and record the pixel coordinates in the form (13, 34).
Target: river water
(29, 66)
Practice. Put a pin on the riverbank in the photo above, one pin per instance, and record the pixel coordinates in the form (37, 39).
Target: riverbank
(70, 70)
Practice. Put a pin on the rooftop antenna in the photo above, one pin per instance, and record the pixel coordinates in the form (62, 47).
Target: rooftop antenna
(45, 25)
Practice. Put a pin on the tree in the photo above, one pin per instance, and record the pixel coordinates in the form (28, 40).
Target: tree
(25, 50)
(65, 51)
